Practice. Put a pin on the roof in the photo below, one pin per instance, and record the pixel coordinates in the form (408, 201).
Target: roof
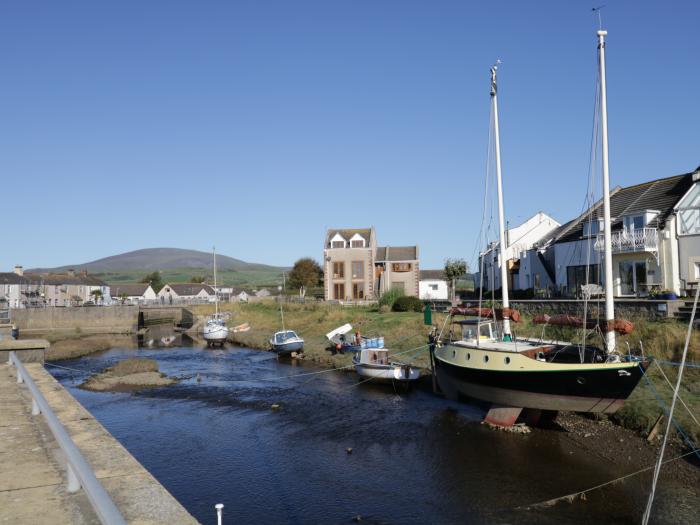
(435, 275)
(12, 278)
(659, 195)
(347, 233)
(60, 279)
(397, 253)
(128, 289)
(189, 288)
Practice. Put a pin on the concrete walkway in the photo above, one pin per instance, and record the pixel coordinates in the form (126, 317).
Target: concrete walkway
(32, 482)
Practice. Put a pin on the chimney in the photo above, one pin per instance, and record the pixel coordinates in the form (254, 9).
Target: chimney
(19, 270)
(71, 272)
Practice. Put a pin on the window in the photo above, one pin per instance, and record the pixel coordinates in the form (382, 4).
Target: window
(358, 270)
(358, 290)
(339, 291)
(434, 287)
(576, 276)
(633, 222)
(401, 267)
(538, 283)
(338, 270)
(338, 244)
(633, 276)
(358, 244)
(591, 227)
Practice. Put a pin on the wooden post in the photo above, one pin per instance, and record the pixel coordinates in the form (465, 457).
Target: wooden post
(655, 428)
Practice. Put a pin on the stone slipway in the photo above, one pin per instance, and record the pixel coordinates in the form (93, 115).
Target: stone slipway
(33, 480)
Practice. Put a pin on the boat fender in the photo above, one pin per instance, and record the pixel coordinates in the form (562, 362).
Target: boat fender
(338, 346)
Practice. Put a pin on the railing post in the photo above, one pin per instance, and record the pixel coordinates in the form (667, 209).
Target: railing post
(35, 408)
(219, 512)
(73, 481)
(19, 376)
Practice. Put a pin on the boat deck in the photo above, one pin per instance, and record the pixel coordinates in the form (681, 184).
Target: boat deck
(518, 346)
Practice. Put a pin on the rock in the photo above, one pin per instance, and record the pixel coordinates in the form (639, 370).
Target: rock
(348, 450)
(275, 407)
(357, 518)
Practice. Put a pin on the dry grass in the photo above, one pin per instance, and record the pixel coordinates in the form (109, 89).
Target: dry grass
(129, 374)
(134, 366)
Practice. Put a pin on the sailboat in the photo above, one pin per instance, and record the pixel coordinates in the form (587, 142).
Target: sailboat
(485, 362)
(215, 331)
(285, 342)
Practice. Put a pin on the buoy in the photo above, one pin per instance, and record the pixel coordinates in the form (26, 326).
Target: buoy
(348, 450)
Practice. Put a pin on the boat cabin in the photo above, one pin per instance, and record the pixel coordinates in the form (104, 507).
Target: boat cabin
(373, 356)
(282, 337)
(471, 330)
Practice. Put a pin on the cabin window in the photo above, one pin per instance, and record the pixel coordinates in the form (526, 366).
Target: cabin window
(338, 270)
(485, 330)
(338, 244)
(507, 360)
(469, 356)
(358, 269)
(486, 359)
(357, 244)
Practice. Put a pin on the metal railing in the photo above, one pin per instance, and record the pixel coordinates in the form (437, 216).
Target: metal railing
(79, 472)
(637, 240)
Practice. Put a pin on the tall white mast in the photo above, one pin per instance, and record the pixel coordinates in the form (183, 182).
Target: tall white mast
(609, 303)
(501, 220)
(216, 291)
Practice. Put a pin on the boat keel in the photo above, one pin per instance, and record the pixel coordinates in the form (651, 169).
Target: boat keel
(502, 416)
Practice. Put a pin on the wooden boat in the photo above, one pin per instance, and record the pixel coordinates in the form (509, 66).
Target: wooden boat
(485, 362)
(286, 342)
(340, 342)
(373, 363)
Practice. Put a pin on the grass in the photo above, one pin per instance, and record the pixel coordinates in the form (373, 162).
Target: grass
(134, 366)
(259, 278)
(405, 330)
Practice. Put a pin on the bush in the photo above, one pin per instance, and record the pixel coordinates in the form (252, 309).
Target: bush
(389, 297)
(408, 304)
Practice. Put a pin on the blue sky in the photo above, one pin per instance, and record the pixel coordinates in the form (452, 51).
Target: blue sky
(256, 125)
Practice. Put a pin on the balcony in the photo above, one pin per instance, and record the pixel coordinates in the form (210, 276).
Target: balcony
(631, 241)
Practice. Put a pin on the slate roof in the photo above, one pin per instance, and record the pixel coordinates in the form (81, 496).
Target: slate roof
(434, 275)
(60, 279)
(188, 288)
(130, 290)
(397, 253)
(660, 195)
(347, 233)
(12, 278)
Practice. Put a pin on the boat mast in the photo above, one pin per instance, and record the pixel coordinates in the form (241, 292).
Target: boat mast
(609, 303)
(284, 286)
(216, 291)
(501, 220)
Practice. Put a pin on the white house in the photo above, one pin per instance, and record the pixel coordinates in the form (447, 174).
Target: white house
(433, 286)
(687, 211)
(186, 293)
(140, 293)
(520, 240)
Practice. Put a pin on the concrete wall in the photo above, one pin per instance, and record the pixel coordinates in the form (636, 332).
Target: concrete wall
(427, 293)
(624, 308)
(107, 319)
(688, 255)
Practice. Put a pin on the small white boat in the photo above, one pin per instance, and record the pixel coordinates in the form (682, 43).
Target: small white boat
(374, 363)
(215, 331)
(286, 342)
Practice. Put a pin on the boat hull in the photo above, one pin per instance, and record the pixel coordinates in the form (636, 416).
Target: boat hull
(215, 334)
(287, 348)
(386, 373)
(602, 389)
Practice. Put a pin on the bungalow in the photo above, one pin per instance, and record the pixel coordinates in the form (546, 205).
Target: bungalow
(186, 293)
(140, 293)
(433, 286)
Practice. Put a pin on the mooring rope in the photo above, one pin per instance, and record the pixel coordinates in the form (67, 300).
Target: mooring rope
(570, 497)
(679, 397)
(647, 511)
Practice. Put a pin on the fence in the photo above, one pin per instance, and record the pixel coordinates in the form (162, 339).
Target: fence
(79, 472)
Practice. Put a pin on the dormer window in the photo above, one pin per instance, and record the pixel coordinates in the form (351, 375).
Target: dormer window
(592, 227)
(633, 222)
(357, 241)
(338, 241)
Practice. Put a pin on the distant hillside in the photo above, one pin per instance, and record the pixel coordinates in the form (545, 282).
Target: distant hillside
(176, 265)
(152, 259)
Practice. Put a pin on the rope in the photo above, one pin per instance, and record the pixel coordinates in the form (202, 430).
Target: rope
(65, 367)
(571, 496)
(647, 512)
(675, 363)
(679, 397)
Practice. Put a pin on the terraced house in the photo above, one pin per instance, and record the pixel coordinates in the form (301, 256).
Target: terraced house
(356, 269)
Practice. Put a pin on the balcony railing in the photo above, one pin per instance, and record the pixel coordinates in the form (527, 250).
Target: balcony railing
(630, 241)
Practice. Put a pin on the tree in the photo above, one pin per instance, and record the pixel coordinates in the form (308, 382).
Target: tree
(155, 280)
(97, 295)
(454, 269)
(305, 274)
(199, 279)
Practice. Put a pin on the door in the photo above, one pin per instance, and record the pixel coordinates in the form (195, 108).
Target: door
(633, 277)
(339, 291)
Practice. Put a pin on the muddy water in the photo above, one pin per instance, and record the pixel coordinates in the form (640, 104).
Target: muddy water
(416, 458)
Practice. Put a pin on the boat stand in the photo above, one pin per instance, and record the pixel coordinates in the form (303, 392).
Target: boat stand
(502, 416)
